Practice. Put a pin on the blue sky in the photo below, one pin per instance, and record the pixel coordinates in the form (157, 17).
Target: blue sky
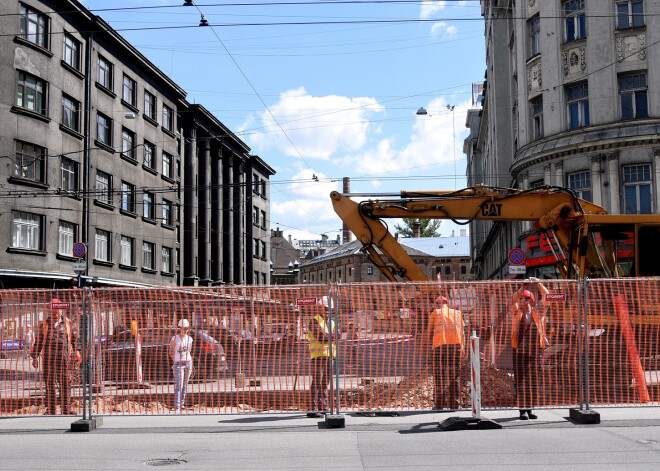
(322, 88)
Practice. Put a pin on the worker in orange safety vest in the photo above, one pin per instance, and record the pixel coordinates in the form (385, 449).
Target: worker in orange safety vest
(446, 334)
(528, 339)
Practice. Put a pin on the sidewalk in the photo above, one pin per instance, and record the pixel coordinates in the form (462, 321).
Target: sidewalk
(186, 423)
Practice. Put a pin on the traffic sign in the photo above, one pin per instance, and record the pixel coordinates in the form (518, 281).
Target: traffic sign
(79, 267)
(517, 256)
(517, 269)
(79, 250)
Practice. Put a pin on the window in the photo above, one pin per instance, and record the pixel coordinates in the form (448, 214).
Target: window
(104, 129)
(168, 118)
(629, 14)
(263, 188)
(370, 270)
(148, 256)
(255, 215)
(637, 189)
(127, 144)
(30, 162)
(105, 73)
(167, 212)
(69, 175)
(263, 250)
(148, 209)
(26, 230)
(167, 165)
(166, 260)
(537, 117)
(580, 182)
(534, 32)
(34, 26)
(127, 251)
(129, 91)
(263, 219)
(537, 183)
(103, 187)
(150, 105)
(127, 197)
(70, 113)
(576, 25)
(633, 92)
(256, 187)
(32, 93)
(577, 102)
(71, 53)
(66, 238)
(149, 155)
(102, 246)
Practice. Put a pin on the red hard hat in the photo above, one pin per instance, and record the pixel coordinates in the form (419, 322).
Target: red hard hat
(527, 294)
(441, 300)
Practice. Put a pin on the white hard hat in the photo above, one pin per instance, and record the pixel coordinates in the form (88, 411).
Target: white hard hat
(324, 302)
(184, 323)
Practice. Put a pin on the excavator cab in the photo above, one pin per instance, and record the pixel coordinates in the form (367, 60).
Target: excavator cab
(613, 250)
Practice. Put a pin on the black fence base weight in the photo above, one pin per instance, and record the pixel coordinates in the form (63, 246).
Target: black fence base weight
(335, 421)
(584, 416)
(86, 425)
(468, 423)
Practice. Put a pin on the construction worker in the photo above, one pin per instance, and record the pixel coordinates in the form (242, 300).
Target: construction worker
(446, 334)
(528, 339)
(56, 339)
(319, 333)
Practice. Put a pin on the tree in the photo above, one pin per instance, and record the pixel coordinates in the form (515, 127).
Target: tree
(427, 227)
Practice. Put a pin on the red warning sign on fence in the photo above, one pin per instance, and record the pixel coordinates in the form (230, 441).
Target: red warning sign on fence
(555, 297)
(306, 301)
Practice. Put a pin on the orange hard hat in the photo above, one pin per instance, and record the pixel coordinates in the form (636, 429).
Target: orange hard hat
(527, 294)
(441, 300)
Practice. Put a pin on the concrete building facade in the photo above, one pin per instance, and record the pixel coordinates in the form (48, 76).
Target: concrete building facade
(102, 148)
(570, 100)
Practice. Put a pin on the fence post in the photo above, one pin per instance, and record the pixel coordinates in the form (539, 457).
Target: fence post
(475, 422)
(334, 419)
(475, 375)
(583, 415)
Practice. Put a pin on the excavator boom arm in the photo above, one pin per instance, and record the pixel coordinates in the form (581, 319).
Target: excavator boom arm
(549, 208)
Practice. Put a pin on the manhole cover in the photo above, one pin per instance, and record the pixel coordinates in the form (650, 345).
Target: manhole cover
(164, 462)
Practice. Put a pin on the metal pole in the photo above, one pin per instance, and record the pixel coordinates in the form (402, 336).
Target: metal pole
(85, 354)
(336, 303)
(580, 344)
(586, 345)
(90, 337)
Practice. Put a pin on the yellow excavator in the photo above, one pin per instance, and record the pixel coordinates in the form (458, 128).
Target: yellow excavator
(590, 242)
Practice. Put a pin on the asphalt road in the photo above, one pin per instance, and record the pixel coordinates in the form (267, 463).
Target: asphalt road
(626, 439)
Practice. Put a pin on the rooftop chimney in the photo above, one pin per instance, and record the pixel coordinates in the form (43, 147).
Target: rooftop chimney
(416, 228)
(345, 232)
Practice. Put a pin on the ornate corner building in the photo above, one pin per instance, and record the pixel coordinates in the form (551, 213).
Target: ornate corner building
(570, 99)
(101, 147)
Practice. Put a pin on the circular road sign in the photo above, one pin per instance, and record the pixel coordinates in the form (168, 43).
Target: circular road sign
(79, 250)
(517, 256)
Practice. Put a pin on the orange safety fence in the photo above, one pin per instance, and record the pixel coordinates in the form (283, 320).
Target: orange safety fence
(251, 351)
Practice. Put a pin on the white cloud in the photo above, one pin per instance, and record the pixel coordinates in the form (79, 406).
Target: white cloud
(318, 126)
(431, 145)
(305, 200)
(443, 30)
(431, 7)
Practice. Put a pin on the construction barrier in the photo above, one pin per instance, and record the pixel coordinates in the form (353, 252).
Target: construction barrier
(251, 349)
